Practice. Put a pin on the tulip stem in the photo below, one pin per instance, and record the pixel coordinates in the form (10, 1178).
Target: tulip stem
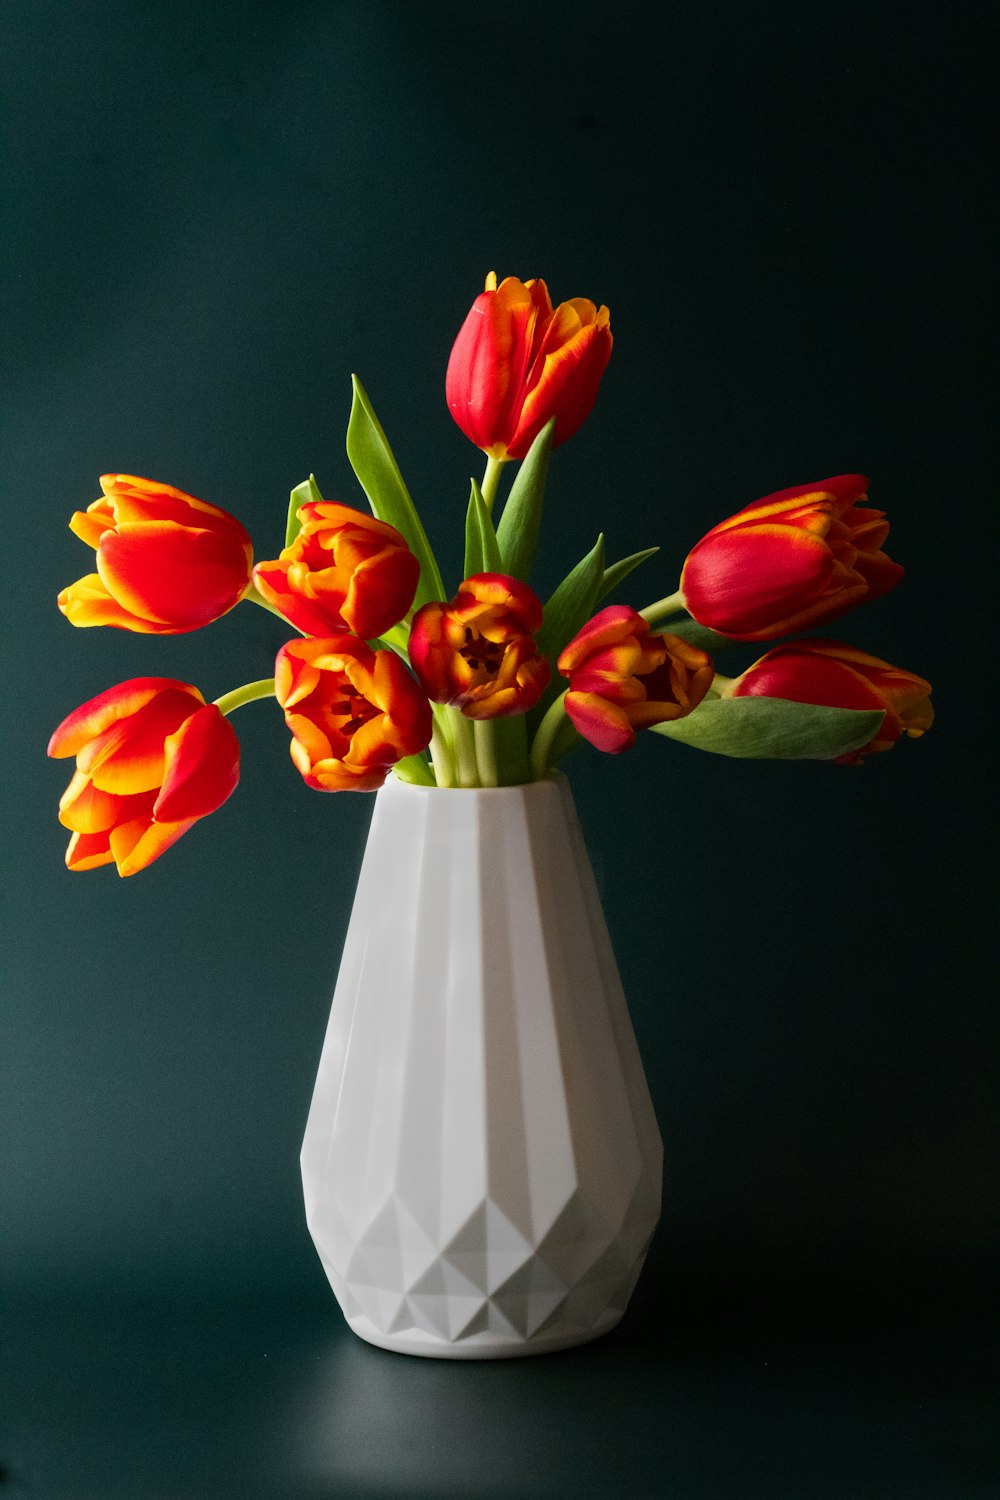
(486, 752)
(721, 685)
(672, 604)
(441, 756)
(544, 739)
(248, 693)
(491, 481)
(465, 750)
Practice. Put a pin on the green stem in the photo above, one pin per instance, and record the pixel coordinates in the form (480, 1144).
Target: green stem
(672, 604)
(720, 685)
(486, 752)
(491, 480)
(542, 744)
(442, 746)
(248, 693)
(465, 749)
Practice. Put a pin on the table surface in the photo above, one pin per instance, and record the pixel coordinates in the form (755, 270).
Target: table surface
(174, 1398)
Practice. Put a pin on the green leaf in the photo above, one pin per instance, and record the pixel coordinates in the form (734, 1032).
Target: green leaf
(773, 729)
(573, 602)
(373, 462)
(302, 494)
(570, 606)
(414, 769)
(697, 635)
(519, 525)
(619, 571)
(482, 551)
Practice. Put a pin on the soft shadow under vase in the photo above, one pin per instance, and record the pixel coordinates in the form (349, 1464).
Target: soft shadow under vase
(481, 1163)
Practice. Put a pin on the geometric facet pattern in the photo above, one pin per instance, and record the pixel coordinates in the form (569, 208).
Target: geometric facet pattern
(481, 1164)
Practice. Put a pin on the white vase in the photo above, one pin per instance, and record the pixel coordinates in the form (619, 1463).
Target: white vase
(481, 1163)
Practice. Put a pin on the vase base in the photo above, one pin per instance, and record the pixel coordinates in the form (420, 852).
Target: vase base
(482, 1346)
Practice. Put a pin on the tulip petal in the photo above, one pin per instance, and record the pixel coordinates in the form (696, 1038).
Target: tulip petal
(98, 714)
(129, 756)
(604, 724)
(175, 576)
(135, 845)
(202, 767)
(88, 851)
(87, 603)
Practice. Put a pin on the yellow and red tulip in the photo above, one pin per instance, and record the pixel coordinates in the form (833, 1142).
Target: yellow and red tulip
(790, 561)
(517, 363)
(344, 571)
(353, 712)
(166, 562)
(623, 677)
(478, 652)
(152, 757)
(839, 676)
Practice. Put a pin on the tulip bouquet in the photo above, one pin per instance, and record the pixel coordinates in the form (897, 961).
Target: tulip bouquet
(488, 686)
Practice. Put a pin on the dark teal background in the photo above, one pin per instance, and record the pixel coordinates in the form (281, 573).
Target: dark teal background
(213, 215)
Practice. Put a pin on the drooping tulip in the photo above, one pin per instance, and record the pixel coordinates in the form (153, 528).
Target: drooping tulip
(517, 362)
(478, 652)
(839, 676)
(166, 562)
(152, 757)
(624, 677)
(353, 712)
(790, 561)
(344, 571)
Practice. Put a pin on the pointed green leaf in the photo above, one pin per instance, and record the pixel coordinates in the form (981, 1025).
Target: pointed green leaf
(570, 606)
(373, 462)
(302, 494)
(773, 729)
(517, 532)
(697, 635)
(619, 571)
(482, 551)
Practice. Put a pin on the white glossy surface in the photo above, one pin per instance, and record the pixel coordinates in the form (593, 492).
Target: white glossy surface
(481, 1163)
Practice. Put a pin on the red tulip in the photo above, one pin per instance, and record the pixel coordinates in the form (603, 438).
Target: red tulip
(516, 363)
(623, 677)
(166, 563)
(838, 676)
(344, 571)
(789, 561)
(353, 712)
(151, 759)
(478, 652)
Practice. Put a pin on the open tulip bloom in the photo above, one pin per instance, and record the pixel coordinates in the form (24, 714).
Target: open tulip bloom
(484, 684)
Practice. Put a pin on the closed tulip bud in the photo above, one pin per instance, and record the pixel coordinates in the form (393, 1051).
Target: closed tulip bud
(166, 562)
(789, 561)
(838, 676)
(623, 677)
(517, 363)
(344, 571)
(152, 757)
(353, 712)
(478, 652)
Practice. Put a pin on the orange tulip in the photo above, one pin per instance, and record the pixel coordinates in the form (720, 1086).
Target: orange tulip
(516, 363)
(623, 677)
(478, 652)
(166, 563)
(344, 571)
(353, 712)
(838, 676)
(789, 561)
(152, 757)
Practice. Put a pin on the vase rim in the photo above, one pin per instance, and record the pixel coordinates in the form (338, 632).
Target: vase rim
(554, 779)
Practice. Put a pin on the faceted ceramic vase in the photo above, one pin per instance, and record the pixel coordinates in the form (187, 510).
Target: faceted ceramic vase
(481, 1164)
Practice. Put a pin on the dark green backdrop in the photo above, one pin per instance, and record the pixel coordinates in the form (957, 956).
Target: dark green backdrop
(216, 213)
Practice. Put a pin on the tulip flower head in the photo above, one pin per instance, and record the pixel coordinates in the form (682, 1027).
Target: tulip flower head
(344, 571)
(166, 562)
(838, 676)
(623, 677)
(353, 712)
(517, 362)
(789, 561)
(152, 757)
(478, 652)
